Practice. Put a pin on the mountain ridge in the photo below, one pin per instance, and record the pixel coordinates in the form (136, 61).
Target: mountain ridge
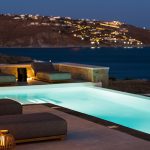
(47, 31)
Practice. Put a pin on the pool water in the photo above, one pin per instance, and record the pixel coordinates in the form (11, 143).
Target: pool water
(129, 110)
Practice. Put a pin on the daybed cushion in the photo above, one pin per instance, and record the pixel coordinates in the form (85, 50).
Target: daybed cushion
(42, 67)
(30, 126)
(7, 78)
(10, 107)
(53, 76)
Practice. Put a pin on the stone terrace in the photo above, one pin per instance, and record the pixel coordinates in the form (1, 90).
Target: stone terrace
(85, 135)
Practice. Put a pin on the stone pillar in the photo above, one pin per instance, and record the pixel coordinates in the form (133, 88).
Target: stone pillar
(101, 75)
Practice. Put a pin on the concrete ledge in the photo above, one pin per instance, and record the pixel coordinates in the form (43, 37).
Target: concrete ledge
(86, 72)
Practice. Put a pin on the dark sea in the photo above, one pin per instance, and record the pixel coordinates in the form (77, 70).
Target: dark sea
(131, 63)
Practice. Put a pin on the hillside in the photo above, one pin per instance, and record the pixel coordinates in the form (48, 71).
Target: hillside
(4, 59)
(44, 31)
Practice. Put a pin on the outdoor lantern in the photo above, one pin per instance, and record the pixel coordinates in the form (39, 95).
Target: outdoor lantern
(7, 141)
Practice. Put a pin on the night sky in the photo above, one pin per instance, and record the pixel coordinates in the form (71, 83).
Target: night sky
(134, 12)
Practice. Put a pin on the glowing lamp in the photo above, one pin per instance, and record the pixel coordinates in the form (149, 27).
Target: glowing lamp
(7, 141)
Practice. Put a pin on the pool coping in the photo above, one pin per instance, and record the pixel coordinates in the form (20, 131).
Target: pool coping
(109, 124)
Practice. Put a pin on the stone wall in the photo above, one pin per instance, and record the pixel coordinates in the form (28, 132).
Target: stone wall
(86, 72)
(12, 69)
(101, 75)
(78, 71)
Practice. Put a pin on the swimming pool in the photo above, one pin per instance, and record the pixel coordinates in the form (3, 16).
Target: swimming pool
(129, 110)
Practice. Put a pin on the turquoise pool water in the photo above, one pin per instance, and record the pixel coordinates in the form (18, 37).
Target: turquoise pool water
(129, 110)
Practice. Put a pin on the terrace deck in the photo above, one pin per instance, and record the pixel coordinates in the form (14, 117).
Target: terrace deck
(85, 135)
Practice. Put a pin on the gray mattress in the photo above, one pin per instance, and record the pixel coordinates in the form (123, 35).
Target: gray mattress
(53, 76)
(7, 78)
(10, 107)
(30, 126)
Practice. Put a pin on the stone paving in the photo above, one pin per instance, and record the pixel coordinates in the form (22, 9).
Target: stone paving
(85, 135)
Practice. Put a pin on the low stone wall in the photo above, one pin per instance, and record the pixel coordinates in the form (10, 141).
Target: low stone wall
(81, 72)
(86, 72)
(12, 69)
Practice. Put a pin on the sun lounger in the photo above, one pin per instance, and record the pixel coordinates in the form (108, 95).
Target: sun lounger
(10, 107)
(7, 78)
(34, 127)
(46, 72)
(30, 127)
